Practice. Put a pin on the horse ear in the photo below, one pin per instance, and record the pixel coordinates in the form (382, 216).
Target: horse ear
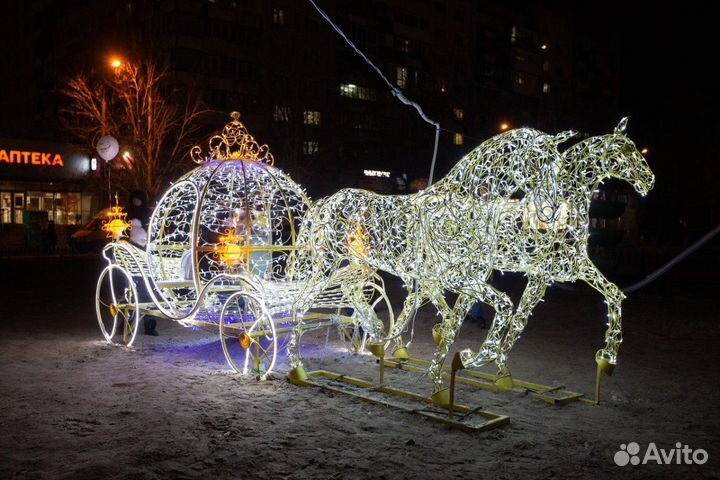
(622, 125)
(565, 136)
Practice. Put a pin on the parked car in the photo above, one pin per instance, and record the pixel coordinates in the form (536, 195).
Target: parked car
(91, 237)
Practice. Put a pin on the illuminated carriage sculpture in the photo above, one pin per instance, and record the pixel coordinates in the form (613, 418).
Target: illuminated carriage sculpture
(218, 247)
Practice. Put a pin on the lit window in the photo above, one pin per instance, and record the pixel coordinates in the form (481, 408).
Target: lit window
(519, 79)
(459, 113)
(458, 139)
(281, 113)
(546, 88)
(311, 118)
(404, 46)
(513, 34)
(361, 93)
(443, 86)
(401, 77)
(310, 147)
(278, 16)
(6, 205)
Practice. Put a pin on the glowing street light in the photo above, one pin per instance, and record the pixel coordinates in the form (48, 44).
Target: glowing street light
(504, 126)
(644, 151)
(115, 62)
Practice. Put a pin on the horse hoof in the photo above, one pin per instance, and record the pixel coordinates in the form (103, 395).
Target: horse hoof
(401, 353)
(605, 367)
(377, 349)
(504, 379)
(297, 375)
(441, 398)
(505, 382)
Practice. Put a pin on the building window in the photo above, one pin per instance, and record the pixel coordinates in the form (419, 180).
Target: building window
(401, 77)
(18, 205)
(458, 139)
(281, 113)
(62, 208)
(513, 34)
(351, 90)
(458, 113)
(546, 88)
(310, 147)
(67, 208)
(6, 206)
(311, 118)
(279, 16)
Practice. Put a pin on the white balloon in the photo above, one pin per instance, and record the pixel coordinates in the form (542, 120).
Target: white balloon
(107, 147)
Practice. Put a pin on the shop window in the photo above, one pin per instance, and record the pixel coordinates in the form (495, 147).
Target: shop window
(18, 205)
(34, 201)
(6, 206)
(70, 212)
(458, 139)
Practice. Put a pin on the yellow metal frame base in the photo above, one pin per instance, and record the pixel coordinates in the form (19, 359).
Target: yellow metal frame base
(488, 381)
(462, 417)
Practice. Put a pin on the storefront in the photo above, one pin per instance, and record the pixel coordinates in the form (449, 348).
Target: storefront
(44, 186)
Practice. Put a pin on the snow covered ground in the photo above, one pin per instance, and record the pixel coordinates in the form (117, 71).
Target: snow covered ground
(74, 407)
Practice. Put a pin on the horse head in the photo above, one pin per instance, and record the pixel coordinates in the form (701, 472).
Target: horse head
(612, 155)
(624, 161)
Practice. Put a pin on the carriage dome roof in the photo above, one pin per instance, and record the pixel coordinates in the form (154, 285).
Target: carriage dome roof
(235, 211)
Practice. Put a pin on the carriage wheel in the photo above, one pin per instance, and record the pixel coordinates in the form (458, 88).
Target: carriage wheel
(116, 305)
(247, 330)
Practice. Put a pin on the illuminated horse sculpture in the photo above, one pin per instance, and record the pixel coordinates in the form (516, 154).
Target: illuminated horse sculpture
(451, 236)
(556, 250)
(401, 234)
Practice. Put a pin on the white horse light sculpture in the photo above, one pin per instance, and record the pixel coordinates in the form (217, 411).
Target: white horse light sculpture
(513, 204)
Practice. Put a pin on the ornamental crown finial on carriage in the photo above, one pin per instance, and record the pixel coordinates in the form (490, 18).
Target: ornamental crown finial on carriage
(234, 143)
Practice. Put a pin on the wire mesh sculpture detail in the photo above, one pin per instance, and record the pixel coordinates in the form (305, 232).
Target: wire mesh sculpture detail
(513, 204)
(217, 255)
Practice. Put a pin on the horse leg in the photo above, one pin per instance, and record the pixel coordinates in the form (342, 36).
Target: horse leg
(355, 295)
(534, 292)
(489, 349)
(607, 357)
(299, 308)
(413, 300)
(448, 329)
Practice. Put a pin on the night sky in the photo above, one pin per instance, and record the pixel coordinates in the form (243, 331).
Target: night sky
(669, 91)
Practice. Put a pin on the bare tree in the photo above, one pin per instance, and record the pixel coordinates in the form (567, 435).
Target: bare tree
(154, 124)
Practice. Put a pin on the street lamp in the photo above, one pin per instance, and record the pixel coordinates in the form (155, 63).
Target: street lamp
(644, 151)
(504, 126)
(115, 62)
